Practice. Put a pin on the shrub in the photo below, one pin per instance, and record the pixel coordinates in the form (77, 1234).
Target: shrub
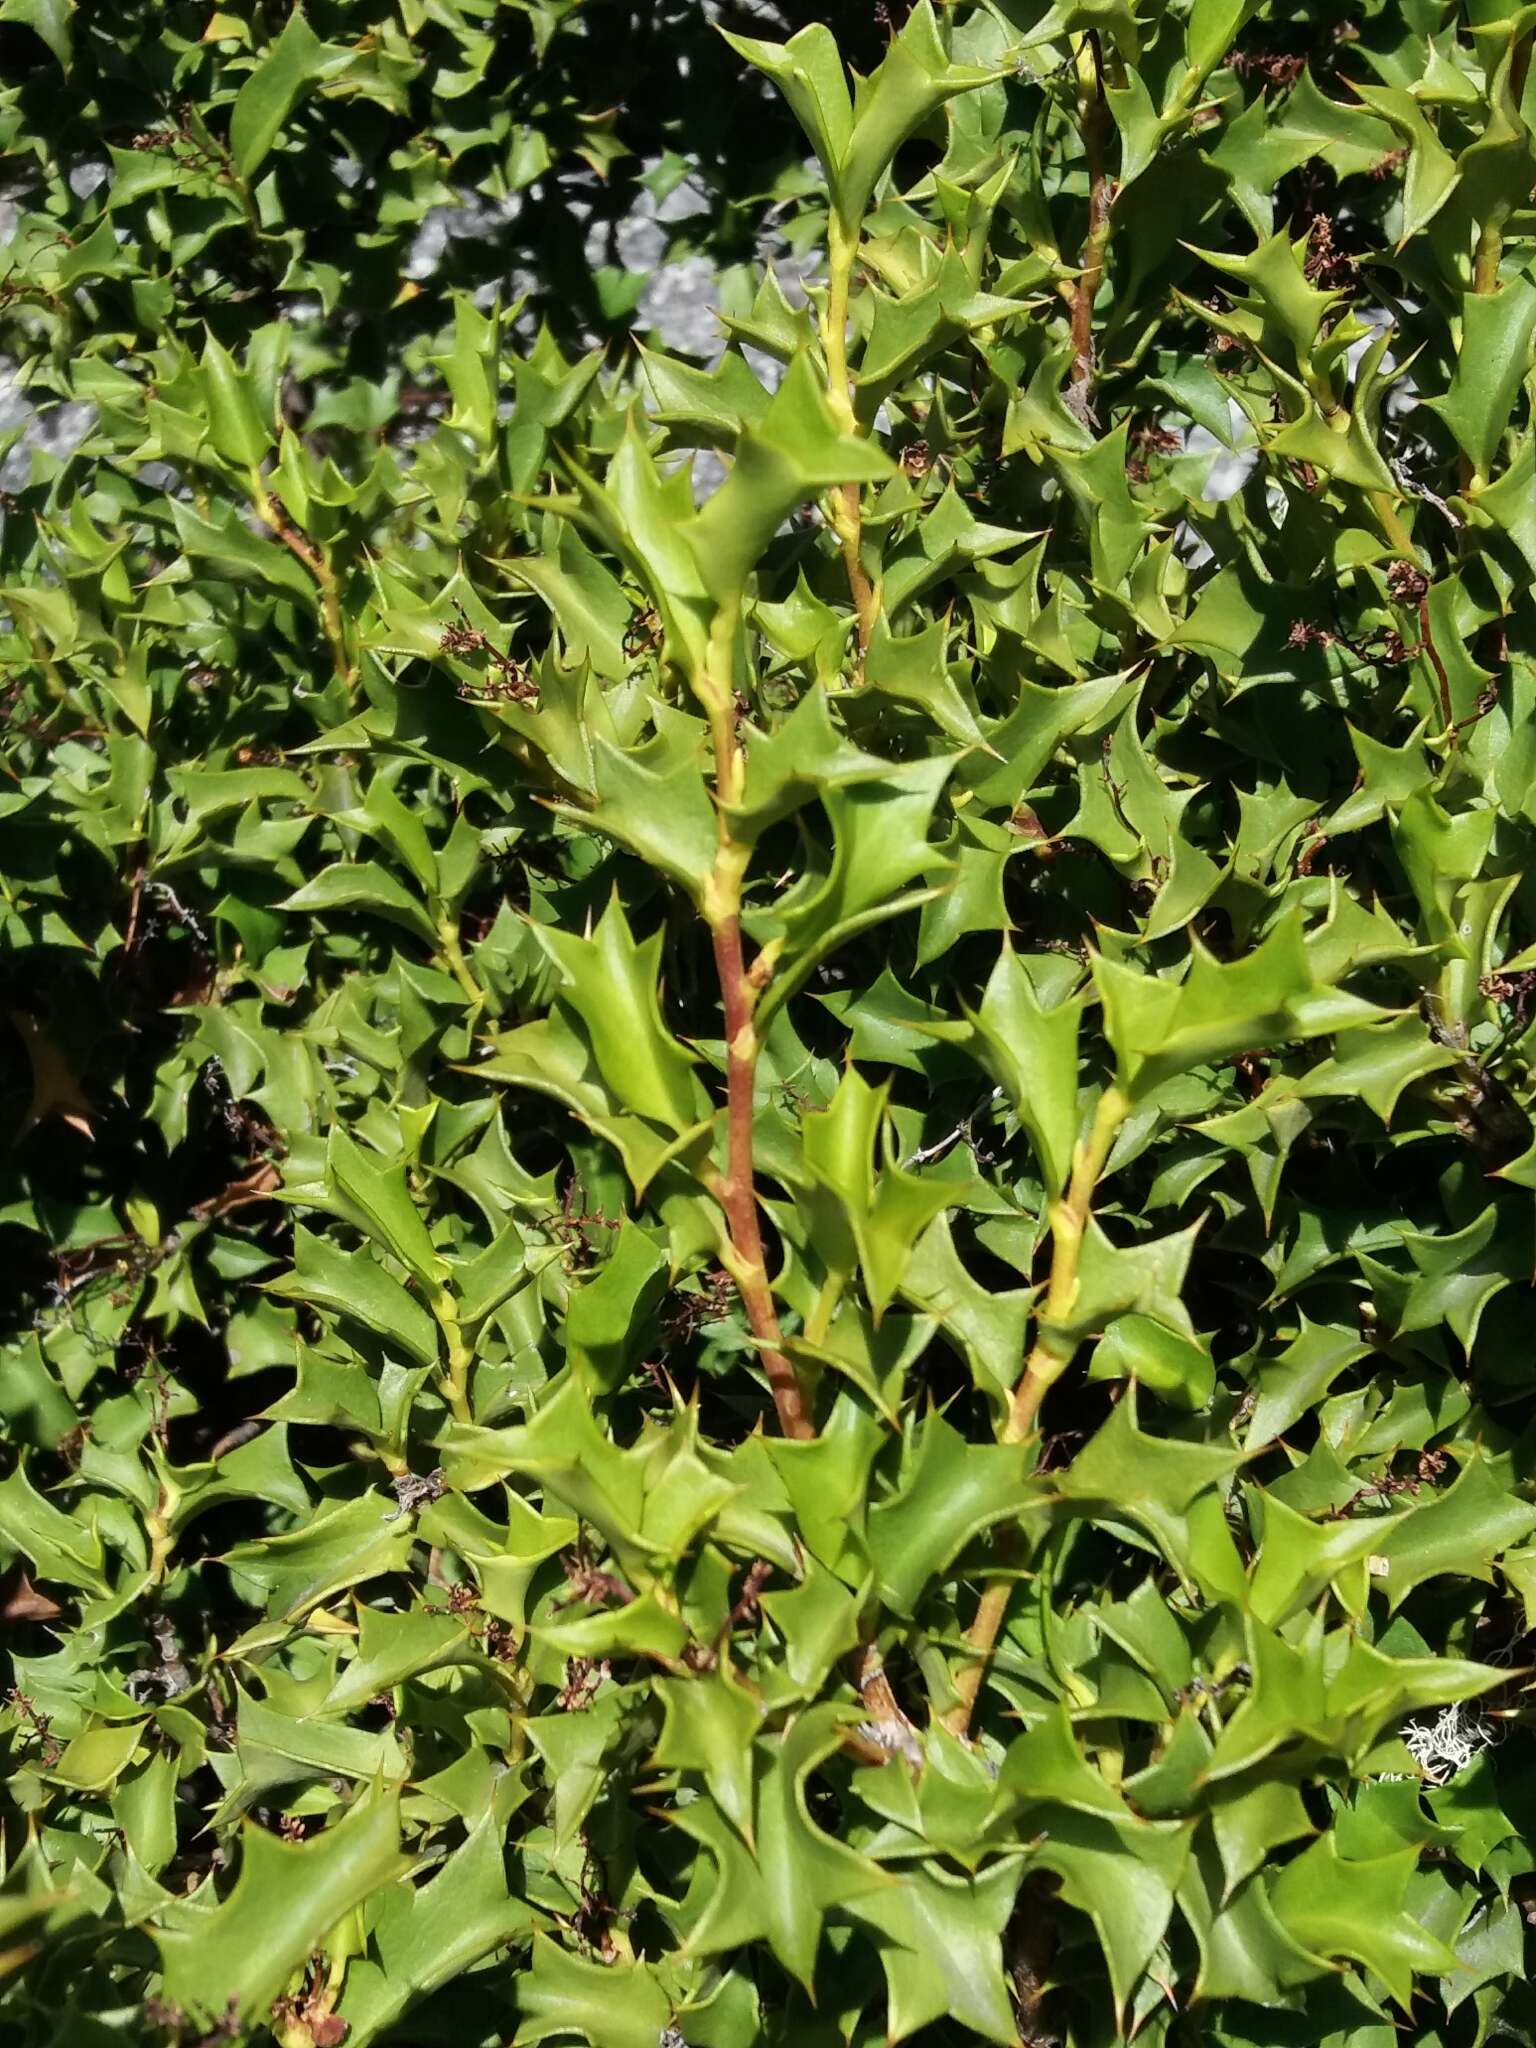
(769, 1164)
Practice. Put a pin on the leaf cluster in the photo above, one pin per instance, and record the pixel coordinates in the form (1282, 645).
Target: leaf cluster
(766, 1145)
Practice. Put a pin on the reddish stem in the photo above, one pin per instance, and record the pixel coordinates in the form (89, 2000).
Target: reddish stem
(1095, 130)
(737, 1191)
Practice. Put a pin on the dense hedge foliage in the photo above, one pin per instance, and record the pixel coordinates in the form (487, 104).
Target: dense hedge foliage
(765, 1153)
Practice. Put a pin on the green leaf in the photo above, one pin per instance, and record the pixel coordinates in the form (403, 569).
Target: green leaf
(913, 80)
(427, 1935)
(608, 1317)
(1143, 1278)
(1159, 1028)
(879, 846)
(1431, 176)
(565, 1994)
(1046, 1765)
(1491, 364)
(1335, 1907)
(95, 1759)
(363, 885)
(392, 1648)
(1245, 1953)
(1123, 1877)
(470, 368)
(716, 405)
(583, 1750)
(808, 70)
(61, 1546)
(913, 668)
(1461, 1531)
(643, 1628)
(292, 67)
(987, 1328)
(1031, 1051)
(1299, 1559)
(949, 1492)
(654, 800)
(584, 597)
(553, 1057)
(711, 1723)
(611, 984)
(1211, 30)
(1151, 1484)
(286, 1899)
(941, 1951)
(232, 550)
(1178, 1368)
(342, 1544)
(798, 450)
(355, 1286)
(794, 763)
(877, 1215)
(796, 1873)
(1288, 1386)
(380, 1200)
(51, 21)
(235, 425)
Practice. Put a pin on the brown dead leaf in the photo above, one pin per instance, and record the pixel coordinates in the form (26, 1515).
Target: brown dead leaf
(21, 1601)
(55, 1090)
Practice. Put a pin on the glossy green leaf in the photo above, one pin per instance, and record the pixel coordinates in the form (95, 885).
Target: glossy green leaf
(237, 1956)
(292, 67)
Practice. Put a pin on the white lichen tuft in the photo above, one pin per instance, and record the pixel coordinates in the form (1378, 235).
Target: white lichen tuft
(1443, 1746)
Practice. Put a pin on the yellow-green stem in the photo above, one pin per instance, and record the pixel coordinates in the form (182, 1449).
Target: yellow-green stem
(57, 687)
(453, 959)
(1049, 1357)
(157, 1527)
(274, 516)
(820, 1319)
(241, 189)
(846, 504)
(1490, 254)
(1392, 526)
(1485, 282)
(341, 1954)
(460, 1358)
(1490, 241)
